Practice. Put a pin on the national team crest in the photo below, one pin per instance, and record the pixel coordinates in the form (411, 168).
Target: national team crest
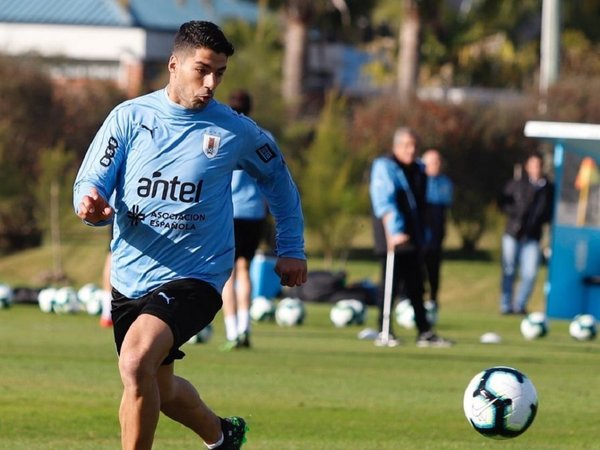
(210, 146)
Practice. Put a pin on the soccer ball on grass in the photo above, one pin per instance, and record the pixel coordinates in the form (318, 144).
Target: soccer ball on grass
(348, 312)
(583, 327)
(6, 296)
(262, 309)
(500, 402)
(203, 336)
(534, 325)
(290, 312)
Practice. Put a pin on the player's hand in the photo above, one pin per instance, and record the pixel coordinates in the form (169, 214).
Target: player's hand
(397, 240)
(291, 271)
(94, 208)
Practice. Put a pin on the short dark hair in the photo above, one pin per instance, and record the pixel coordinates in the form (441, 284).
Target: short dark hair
(240, 101)
(201, 34)
(534, 154)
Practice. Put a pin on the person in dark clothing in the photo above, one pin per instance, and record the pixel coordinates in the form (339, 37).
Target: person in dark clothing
(397, 190)
(438, 201)
(528, 205)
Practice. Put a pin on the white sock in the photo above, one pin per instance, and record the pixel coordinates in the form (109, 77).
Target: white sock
(106, 306)
(231, 327)
(216, 444)
(243, 321)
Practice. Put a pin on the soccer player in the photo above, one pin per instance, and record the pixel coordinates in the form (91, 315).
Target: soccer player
(168, 156)
(249, 213)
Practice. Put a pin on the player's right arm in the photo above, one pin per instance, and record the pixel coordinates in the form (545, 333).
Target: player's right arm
(97, 176)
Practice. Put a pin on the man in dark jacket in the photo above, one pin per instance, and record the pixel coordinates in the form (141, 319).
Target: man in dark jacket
(397, 190)
(527, 203)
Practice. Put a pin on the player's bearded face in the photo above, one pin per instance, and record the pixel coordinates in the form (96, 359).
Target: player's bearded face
(194, 77)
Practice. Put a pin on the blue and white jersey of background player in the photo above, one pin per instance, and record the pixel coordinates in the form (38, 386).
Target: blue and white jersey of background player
(170, 169)
(248, 201)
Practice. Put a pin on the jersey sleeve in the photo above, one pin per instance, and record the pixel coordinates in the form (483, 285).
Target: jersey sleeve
(101, 164)
(382, 191)
(264, 161)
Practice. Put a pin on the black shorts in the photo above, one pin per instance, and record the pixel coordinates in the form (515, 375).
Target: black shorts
(247, 237)
(186, 305)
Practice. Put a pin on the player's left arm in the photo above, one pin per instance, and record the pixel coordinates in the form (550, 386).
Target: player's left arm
(264, 162)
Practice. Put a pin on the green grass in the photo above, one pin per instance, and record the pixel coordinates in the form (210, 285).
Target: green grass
(313, 387)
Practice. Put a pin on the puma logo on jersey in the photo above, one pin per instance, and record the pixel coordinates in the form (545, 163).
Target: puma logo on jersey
(151, 130)
(166, 297)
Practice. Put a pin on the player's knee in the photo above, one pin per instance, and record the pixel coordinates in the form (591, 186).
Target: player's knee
(135, 370)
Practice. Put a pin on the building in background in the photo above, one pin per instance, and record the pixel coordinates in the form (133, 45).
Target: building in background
(126, 41)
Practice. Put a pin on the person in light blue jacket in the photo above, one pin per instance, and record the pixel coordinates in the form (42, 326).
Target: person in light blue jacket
(249, 214)
(168, 158)
(438, 200)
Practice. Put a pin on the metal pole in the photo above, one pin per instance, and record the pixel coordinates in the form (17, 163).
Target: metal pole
(549, 48)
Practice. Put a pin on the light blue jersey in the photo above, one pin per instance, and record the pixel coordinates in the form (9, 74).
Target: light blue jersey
(439, 190)
(170, 169)
(248, 201)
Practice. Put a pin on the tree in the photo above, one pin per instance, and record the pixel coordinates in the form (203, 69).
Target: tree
(333, 190)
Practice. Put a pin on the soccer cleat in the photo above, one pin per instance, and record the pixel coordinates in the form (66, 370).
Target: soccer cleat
(106, 322)
(243, 340)
(230, 345)
(430, 339)
(234, 433)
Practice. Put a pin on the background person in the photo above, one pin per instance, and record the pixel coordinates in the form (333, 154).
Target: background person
(438, 200)
(528, 204)
(397, 191)
(168, 156)
(249, 213)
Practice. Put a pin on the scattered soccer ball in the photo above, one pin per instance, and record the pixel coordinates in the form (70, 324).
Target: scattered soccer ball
(405, 314)
(583, 327)
(500, 402)
(65, 300)
(90, 297)
(262, 309)
(203, 336)
(290, 312)
(534, 326)
(46, 299)
(6, 296)
(348, 312)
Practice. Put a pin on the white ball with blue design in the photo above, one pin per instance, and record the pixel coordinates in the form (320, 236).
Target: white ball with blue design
(46, 299)
(262, 309)
(90, 296)
(583, 327)
(348, 312)
(534, 326)
(405, 314)
(290, 312)
(500, 402)
(6, 296)
(203, 336)
(65, 300)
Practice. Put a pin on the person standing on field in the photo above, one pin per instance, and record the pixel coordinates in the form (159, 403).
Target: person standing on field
(438, 200)
(168, 157)
(527, 203)
(397, 190)
(249, 214)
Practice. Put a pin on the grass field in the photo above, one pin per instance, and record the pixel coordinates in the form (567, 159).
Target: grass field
(313, 387)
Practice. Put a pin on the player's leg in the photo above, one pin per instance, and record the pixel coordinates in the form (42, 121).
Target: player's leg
(144, 347)
(529, 261)
(243, 298)
(180, 401)
(230, 311)
(509, 265)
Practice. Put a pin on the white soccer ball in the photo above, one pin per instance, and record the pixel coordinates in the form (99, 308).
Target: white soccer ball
(583, 327)
(348, 312)
(290, 312)
(6, 296)
(87, 292)
(534, 326)
(500, 402)
(46, 299)
(203, 336)
(405, 314)
(65, 300)
(262, 309)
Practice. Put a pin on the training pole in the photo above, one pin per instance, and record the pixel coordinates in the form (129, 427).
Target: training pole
(387, 298)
